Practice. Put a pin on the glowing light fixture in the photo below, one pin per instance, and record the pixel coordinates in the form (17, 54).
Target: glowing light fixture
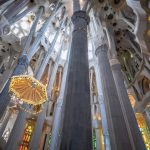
(28, 92)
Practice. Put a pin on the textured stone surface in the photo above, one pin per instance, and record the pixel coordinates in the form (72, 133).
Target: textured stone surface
(76, 133)
(117, 129)
(16, 134)
(127, 109)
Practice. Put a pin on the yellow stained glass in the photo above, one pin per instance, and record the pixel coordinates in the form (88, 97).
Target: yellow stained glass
(144, 129)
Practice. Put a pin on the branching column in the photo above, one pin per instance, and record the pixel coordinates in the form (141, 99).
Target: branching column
(76, 132)
(13, 13)
(119, 137)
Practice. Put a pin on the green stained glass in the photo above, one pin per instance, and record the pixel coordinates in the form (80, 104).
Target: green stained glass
(94, 140)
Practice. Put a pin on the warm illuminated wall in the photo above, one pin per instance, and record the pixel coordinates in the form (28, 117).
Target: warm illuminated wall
(144, 129)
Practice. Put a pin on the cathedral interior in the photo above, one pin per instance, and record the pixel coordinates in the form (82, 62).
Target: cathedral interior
(74, 75)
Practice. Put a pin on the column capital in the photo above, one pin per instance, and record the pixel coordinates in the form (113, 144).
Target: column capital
(114, 61)
(100, 48)
(80, 15)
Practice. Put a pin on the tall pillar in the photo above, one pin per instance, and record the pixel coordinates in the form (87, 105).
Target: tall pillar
(102, 109)
(128, 113)
(16, 134)
(5, 121)
(118, 132)
(77, 132)
(4, 95)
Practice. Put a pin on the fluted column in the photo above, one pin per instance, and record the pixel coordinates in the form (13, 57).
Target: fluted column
(102, 109)
(76, 132)
(128, 113)
(118, 132)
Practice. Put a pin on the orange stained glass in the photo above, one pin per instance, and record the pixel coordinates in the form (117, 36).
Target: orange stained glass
(29, 127)
(28, 89)
(144, 129)
(132, 100)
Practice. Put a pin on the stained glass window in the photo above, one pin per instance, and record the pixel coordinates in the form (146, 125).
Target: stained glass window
(94, 140)
(144, 130)
(29, 127)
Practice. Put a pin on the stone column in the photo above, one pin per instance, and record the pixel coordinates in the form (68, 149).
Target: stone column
(15, 137)
(15, 8)
(4, 95)
(127, 110)
(102, 108)
(12, 10)
(118, 132)
(5, 121)
(77, 132)
(30, 8)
